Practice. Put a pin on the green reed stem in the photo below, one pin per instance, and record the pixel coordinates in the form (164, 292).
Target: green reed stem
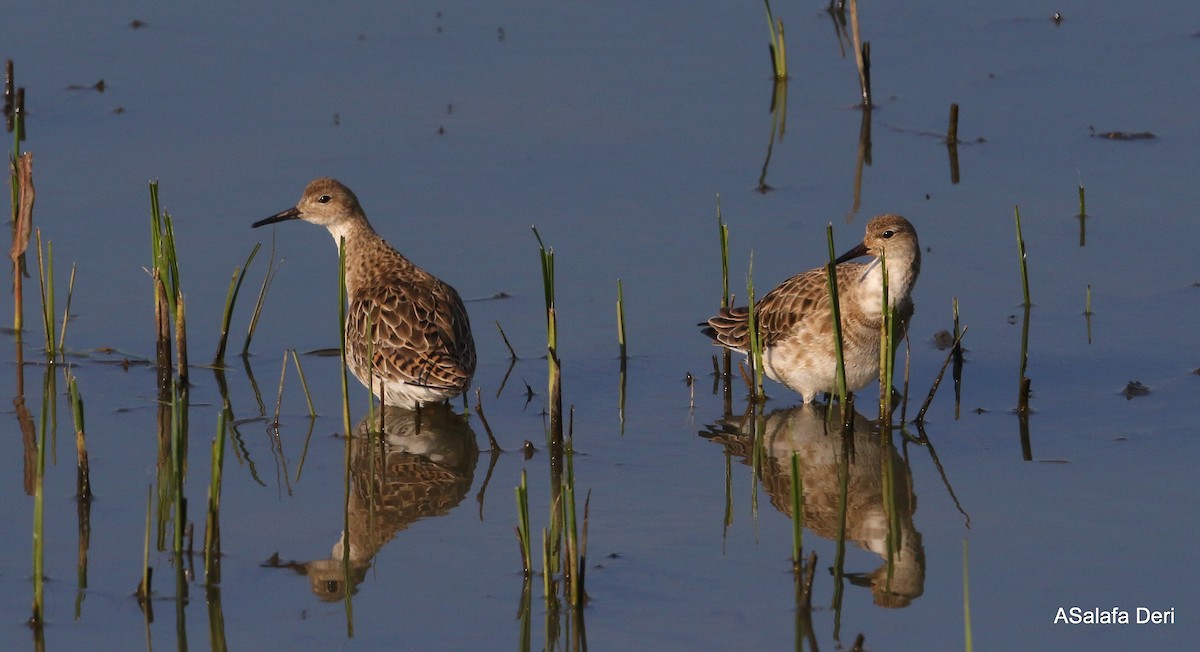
(756, 344)
(887, 351)
(46, 281)
(836, 311)
(62, 337)
(262, 297)
(312, 412)
(723, 235)
(554, 393)
(778, 50)
(1087, 306)
(178, 457)
(1021, 251)
(342, 337)
(235, 286)
(39, 502)
(212, 529)
(522, 492)
(1082, 202)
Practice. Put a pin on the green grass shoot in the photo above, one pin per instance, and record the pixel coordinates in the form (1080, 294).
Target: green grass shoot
(312, 412)
(342, 343)
(262, 297)
(39, 503)
(887, 347)
(235, 286)
(778, 48)
(522, 493)
(723, 234)
(831, 279)
(1021, 252)
(62, 336)
(212, 527)
(756, 344)
(46, 279)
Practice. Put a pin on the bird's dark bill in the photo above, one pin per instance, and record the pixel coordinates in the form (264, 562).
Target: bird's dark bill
(860, 250)
(289, 214)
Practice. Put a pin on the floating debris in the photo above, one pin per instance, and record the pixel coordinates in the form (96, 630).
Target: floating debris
(1135, 388)
(98, 87)
(1123, 135)
(136, 24)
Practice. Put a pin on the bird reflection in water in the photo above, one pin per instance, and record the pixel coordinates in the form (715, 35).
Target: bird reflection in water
(422, 468)
(821, 449)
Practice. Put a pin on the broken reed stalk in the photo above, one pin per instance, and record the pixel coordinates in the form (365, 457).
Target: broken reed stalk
(955, 348)
(835, 309)
(952, 130)
(862, 57)
(262, 297)
(756, 344)
(723, 235)
(522, 528)
(23, 196)
(83, 483)
(621, 322)
(797, 514)
(235, 286)
(511, 353)
(312, 412)
(1024, 382)
(181, 357)
(778, 49)
(212, 526)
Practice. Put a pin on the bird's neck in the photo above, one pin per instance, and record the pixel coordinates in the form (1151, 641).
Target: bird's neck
(902, 275)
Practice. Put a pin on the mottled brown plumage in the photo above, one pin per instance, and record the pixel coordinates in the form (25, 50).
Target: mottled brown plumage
(795, 319)
(422, 350)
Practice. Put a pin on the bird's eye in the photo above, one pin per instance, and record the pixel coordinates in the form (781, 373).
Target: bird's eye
(889, 233)
(324, 199)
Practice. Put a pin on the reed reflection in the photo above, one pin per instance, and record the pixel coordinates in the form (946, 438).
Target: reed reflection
(878, 512)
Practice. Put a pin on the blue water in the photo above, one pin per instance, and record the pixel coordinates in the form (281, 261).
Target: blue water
(613, 129)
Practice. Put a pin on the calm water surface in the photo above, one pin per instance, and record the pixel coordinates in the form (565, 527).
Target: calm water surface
(613, 129)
